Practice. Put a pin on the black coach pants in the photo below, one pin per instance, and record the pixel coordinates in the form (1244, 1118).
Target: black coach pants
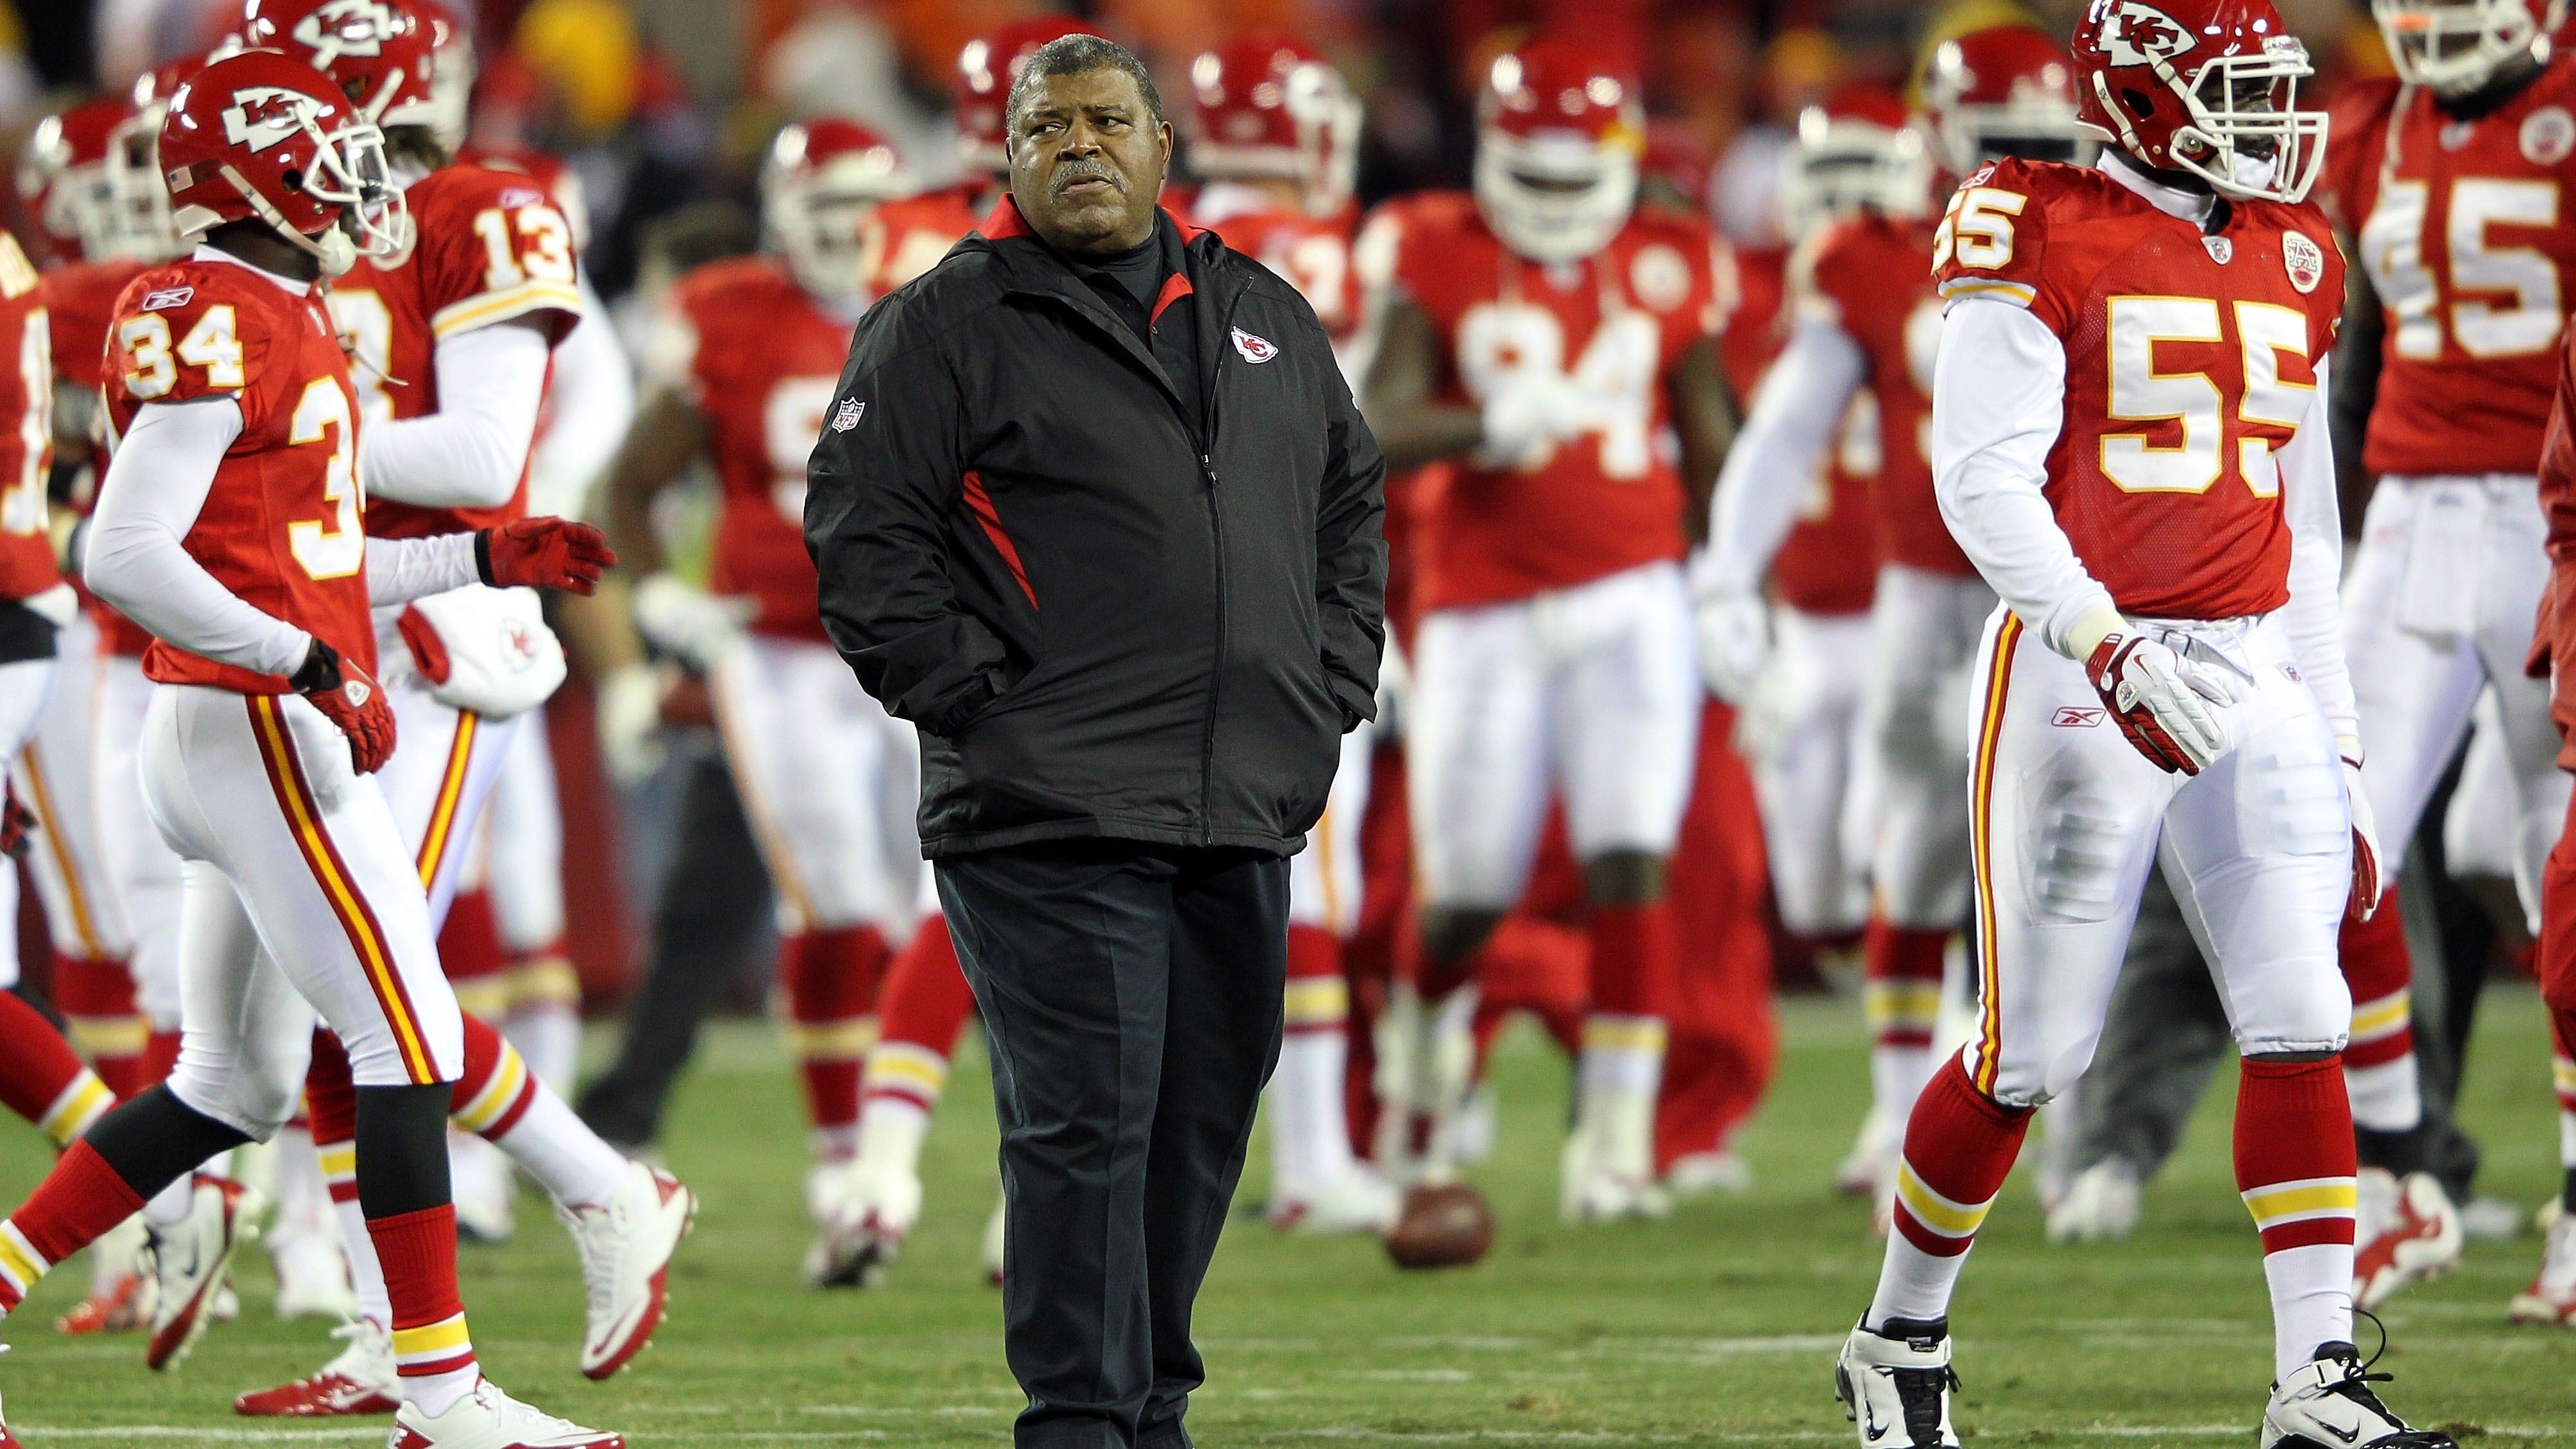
(1132, 997)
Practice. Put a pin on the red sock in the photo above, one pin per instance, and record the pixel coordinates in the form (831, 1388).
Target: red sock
(160, 1055)
(76, 1204)
(40, 1078)
(831, 979)
(331, 1102)
(1959, 1147)
(418, 1252)
(923, 1008)
(2294, 1152)
(493, 1091)
(1901, 969)
(1635, 955)
(2554, 955)
(97, 998)
(469, 951)
(1317, 997)
(2380, 972)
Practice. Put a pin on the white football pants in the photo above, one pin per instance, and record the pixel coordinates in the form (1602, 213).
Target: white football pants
(1814, 768)
(52, 775)
(1925, 629)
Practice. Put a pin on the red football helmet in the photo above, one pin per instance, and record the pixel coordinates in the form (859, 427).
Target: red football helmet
(64, 183)
(2454, 47)
(985, 70)
(1857, 151)
(2006, 90)
(1272, 108)
(820, 182)
(378, 52)
(1560, 133)
(262, 134)
(2205, 86)
(134, 156)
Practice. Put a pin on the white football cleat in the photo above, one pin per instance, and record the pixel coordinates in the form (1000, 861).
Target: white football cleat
(6, 1442)
(490, 1419)
(626, 1245)
(1858, 1173)
(2551, 1298)
(360, 1380)
(1896, 1386)
(484, 1190)
(997, 1233)
(2408, 1232)
(312, 1274)
(1607, 1172)
(1355, 1201)
(2100, 1205)
(191, 1261)
(2327, 1404)
(1707, 1174)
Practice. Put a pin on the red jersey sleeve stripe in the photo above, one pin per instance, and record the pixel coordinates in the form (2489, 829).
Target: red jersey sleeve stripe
(980, 503)
(366, 937)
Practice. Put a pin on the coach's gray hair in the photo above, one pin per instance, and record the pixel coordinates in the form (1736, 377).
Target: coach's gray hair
(1078, 54)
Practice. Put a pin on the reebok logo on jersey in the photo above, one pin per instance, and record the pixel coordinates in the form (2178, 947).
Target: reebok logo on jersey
(519, 196)
(2304, 260)
(1255, 350)
(162, 299)
(2076, 717)
(355, 691)
(848, 417)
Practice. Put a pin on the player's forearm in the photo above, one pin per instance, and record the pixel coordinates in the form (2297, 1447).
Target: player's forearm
(1414, 434)
(2314, 614)
(594, 405)
(135, 556)
(1778, 455)
(472, 452)
(400, 570)
(1998, 403)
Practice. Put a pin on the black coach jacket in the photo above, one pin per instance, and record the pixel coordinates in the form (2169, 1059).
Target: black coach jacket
(1103, 624)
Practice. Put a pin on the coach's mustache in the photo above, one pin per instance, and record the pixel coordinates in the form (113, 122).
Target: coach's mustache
(1083, 168)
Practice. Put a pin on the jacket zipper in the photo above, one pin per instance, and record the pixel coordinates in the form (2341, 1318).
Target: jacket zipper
(1216, 537)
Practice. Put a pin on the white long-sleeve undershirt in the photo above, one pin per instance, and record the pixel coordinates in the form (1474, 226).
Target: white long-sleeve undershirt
(594, 403)
(1777, 458)
(136, 557)
(473, 450)
(2314, 614)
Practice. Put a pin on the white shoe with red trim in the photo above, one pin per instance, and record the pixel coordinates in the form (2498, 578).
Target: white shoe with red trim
(626, 1245)
(2409, 1231)
(997, 1231)
(361, 1380)
(2551, 1298)
(191, 1261)
(1355, 1201)
(490, 1419)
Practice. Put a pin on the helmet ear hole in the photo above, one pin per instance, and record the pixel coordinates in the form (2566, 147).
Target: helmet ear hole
(2140, 104)
(293, 176)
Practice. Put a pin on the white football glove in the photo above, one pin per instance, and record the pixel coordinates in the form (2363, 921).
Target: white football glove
(2366, 887)
(1526, 417)
(2166, 705)
(1734, 642)
(629, 716)
(688, 621)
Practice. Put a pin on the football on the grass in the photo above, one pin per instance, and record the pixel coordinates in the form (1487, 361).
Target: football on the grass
(1448, 1226)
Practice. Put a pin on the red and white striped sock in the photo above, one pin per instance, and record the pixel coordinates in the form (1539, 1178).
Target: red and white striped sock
(2379, 1063)
(96, 994)
(433, 1352)
(830, 979)
(2295, 1170)
(499, 1100)
(924, 1006)
(42, 1079)
(1901, 1000)
(1959, 1148)
(77, 1203)
(1310, 1143)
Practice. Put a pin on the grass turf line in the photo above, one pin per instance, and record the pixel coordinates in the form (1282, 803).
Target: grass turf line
(1714, 1329)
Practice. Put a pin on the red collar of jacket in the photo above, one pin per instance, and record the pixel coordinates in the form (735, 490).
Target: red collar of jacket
(1004, 220)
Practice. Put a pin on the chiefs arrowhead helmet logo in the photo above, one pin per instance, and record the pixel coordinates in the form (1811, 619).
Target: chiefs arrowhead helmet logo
(347, 27)
(263, 116)
(2136, 33)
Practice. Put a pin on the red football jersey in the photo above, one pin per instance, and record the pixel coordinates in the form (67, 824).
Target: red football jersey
(2188, 360)
(906, 238)
(80, 307)
(1617, 323)
(26, 427)
(1868, 276)
(562, 184)
(2470, 246)
(761, 361)
(1828, 564)
(1313, 253)
(492, 248)
(284, 524)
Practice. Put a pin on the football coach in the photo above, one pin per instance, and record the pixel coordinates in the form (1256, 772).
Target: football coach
(1094, 509)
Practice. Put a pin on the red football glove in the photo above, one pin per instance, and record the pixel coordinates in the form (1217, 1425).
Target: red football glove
(544, 553)
(352, 702)
(2165, 707)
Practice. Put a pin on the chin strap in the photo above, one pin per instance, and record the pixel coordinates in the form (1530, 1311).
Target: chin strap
(333, 250)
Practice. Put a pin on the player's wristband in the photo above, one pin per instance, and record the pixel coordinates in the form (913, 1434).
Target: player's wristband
(483, 557)
(320, 671)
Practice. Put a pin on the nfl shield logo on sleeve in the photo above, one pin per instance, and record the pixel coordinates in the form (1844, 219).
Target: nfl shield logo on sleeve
(848, 417)
(1254, 349)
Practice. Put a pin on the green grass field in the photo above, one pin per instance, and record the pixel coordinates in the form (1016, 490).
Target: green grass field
(1716, 1328)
